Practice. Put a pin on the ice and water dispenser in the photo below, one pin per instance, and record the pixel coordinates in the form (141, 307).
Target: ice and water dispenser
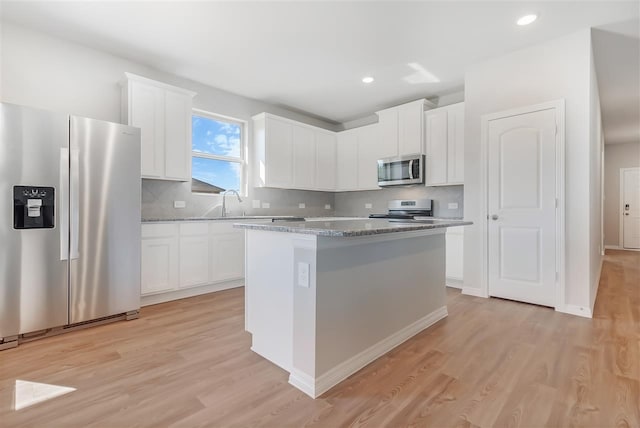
(33, 207)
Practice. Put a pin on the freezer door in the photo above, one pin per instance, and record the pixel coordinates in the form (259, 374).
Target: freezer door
(104, 219)
(33, 261)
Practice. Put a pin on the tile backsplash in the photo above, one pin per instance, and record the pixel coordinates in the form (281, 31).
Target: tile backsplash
(375, 201)
(158, 199)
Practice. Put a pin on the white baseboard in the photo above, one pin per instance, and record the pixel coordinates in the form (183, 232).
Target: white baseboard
(473, 292)
(454, 283)
(154, 299)
(316, 387)
(580, 311)
(594, 295)
(617, 247)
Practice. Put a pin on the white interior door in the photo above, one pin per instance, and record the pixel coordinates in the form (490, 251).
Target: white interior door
(522, 207)
(631, 208)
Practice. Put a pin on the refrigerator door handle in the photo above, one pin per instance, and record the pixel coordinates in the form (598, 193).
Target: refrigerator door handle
(64, 204)
(74, 213)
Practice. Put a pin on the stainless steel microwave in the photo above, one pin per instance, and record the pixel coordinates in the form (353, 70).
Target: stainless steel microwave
(401, 170)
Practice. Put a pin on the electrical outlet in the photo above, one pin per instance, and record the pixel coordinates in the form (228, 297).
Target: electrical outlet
(303, 274)
(179, 204)
(266, 205)
(255, 203)
(327, 206)
(452, 205)
(368, 206)
(302, 205)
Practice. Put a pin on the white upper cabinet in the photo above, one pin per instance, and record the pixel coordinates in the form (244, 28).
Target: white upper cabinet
(293, 155)
(401, 128)
(444, 145)
(304, 157)
(368, 155)
(163, 114)
(436, 146)
(388, 132)
(347, 160)
(326, 161)
(455, 144)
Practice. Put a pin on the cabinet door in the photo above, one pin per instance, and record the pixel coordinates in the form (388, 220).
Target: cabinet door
(304, 157)
(436, 146)
(279, 154)
(410, 132)
(455, 144)
(194, 260)
(454, 253)
(227, 254)
(326, 161)
(146, 109)
(177, 136)
(388, 131)
(368, 154)
(159, 264)
(347, 160)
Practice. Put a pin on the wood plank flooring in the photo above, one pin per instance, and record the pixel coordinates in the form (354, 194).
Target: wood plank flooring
(490, 363)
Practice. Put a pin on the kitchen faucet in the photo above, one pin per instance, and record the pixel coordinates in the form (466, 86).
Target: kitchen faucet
(224, 199)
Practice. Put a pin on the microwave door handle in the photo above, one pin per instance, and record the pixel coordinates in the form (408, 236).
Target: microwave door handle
(411, 169)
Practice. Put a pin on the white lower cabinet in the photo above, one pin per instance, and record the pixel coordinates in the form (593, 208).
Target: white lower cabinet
(227, 253)
(194, 254)
(454, 256)
(183, 259)
(159, 258)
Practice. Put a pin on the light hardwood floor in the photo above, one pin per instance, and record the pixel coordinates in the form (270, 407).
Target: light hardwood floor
(490, 363)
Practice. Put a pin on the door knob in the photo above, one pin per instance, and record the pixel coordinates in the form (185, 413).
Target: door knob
(494, 217)
(626, 213)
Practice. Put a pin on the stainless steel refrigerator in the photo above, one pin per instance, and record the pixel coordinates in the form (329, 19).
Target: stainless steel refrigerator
(69, 221)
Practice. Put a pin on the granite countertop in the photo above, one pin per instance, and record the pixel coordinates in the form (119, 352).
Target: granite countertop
(350, 228)
(234, 218)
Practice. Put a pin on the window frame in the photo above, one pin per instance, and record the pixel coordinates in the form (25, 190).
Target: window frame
(242, 159)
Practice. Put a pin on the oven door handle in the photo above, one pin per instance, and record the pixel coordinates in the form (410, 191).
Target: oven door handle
(411, 177)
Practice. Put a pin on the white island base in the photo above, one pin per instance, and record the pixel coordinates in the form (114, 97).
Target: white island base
(323, 307)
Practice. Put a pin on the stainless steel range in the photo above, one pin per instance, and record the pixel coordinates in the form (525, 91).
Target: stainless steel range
(407, 209)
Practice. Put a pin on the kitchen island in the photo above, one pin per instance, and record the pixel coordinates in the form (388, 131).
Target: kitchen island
(325, 298)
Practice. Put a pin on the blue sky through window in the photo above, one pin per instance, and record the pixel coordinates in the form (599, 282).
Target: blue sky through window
(215, 138)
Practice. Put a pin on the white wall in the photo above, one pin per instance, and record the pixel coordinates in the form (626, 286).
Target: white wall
(50, 73)
(550, 71)
(616, 156)
(596, 143)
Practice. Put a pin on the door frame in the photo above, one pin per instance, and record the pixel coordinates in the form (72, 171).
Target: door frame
(559, 107)
(621, 210)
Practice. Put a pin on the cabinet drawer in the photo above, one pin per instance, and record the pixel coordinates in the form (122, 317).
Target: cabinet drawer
(159, 230)
(191, 229)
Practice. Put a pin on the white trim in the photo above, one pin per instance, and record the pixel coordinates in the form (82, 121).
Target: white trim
(594, 295)
(154, 299)
(621, 209)
(472, 291)
(559, 107)
(454, 282)
(613, 247)
(316, 387)
(158, 84)
(576, 310)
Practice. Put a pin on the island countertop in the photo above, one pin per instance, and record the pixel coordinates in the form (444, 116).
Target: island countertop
(351, 228)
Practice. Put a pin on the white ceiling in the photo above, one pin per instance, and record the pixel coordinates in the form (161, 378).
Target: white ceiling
(310, 56)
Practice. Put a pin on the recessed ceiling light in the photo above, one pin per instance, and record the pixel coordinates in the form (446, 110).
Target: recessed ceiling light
(367, 79)
(527, 19)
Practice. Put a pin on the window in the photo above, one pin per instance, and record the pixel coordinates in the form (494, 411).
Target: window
(217, 160)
